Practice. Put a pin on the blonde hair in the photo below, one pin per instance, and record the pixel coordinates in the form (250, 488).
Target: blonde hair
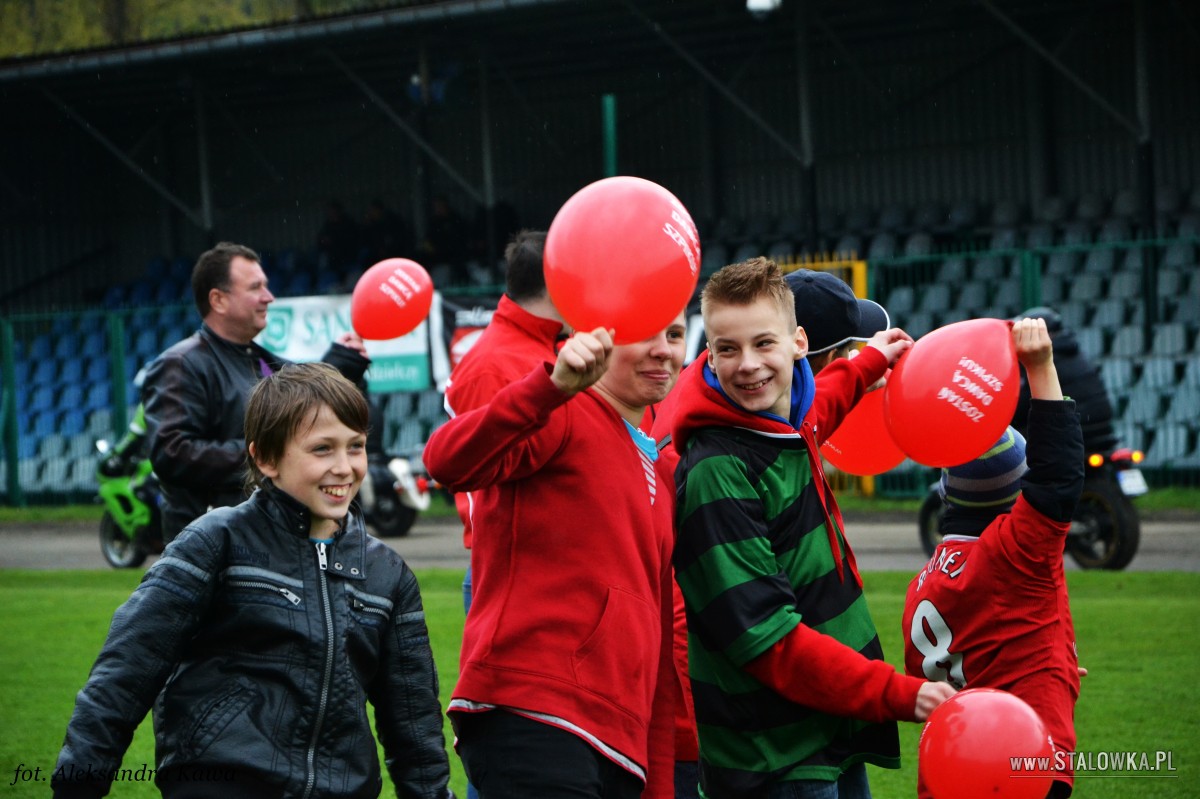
(747, 282)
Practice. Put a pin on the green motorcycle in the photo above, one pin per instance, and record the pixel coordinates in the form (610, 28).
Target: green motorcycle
(131, 527)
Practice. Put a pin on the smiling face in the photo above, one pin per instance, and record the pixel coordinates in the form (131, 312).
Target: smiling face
(240, 313)
(752, 350)
(641, 374)
(322, 467)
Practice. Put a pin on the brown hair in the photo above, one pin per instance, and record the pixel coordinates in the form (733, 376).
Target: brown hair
(747, 282)
(287, 400)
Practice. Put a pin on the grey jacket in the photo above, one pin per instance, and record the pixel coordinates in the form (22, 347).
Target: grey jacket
(259, 650)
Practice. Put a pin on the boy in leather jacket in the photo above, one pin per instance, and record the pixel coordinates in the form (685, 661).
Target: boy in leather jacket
(265, 628)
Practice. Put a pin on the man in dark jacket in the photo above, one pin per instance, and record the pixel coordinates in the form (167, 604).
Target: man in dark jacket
(195, 392)
(1080, 379)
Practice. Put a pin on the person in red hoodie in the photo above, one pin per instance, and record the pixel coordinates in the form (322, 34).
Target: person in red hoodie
(565, 683)
(523, 333)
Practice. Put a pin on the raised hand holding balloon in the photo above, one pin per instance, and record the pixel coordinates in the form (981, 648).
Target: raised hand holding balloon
(391, 299)
(951, 396)
(623, 254)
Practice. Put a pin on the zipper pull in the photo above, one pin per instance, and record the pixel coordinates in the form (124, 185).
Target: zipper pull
(321, 560)
(289, 596)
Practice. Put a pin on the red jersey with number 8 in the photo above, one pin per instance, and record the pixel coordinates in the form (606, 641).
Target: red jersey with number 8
(992, 612)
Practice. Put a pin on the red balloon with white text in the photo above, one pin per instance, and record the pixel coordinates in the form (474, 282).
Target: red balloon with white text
(953, 392)
(391, 299)
(622, 253)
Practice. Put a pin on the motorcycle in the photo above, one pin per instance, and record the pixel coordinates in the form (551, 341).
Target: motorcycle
(131, 527)
(1105, 529)
(392, 495)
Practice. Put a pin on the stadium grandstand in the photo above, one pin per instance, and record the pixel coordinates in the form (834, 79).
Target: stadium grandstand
(980, 156)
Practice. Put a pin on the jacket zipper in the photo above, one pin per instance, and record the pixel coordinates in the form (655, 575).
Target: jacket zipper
(322, 565)
(358, 604)
(288, 595)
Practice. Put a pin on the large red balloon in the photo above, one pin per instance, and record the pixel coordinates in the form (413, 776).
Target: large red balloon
(862, 444)
(971, 742)
(391, 299)
(622, 253)
(954, 392)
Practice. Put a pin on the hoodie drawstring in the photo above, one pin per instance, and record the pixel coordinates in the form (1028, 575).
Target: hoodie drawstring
(829, 506)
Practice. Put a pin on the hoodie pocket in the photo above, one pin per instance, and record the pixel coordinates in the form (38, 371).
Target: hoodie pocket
(619, 658)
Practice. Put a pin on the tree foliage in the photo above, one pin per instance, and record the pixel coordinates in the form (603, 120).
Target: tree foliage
(57, 27)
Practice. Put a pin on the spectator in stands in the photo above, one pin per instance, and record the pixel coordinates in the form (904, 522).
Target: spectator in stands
(565, 684)
(195, 392)
(523, 333)
(338, 241)
(446, 238)
(1080, 379)
(385, 234)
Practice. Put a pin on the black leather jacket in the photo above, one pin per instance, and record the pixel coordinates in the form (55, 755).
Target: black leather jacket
(195, 396)
(265, 648)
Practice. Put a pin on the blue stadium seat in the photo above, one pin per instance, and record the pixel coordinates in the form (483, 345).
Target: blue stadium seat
(1169, 339)
(53, 445)
(26, 447)
(95, 344)
(1117, 375)
(1086, 287)
(1170, 443)
(1091, 342)
(953, 270)
(22, 369)
(42, 399)
(1184, 404)
(1113, 230)
(935, 298)
(41, 348)
(141, 292)
(97, 370)
(1008, 295)
(66, 345)
(713, 257)
(1102, 261)
(894, 219)
(781, 250)
(1007, 213)
(1186, 312)
(992, 268)
(1076, 233)
(882, 247)
(114, 297)
(1179, 254)
(1129, 342)
(917, 324)
(1130, 435)
(99, 395)
(1124, 286)
(1039, 236)
(929, 216)
(973, 296)
(145, 343)
(71, 397)
(73, 422)
(851, 244)
(44, 423)
(1109, 314)
(167, 291)
(1158, 374)
(1090, 208)
(1062, 264)
(1074, 314)
(1005, 238)
(71, 370)
(1142, 407)
(900, 301)
(45, 372)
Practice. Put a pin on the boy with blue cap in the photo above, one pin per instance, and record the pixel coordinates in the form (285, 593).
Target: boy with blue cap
(991, 607)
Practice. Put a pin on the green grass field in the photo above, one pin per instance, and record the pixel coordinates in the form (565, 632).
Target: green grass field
(1137, 634)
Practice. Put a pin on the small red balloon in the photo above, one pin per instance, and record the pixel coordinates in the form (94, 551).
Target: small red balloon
(391, 299)
(862, 444)
(953, 392)
(622, 253)
(983, 742)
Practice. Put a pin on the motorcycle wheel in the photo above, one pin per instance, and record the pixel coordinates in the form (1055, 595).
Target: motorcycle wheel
(118, 550)
(1109, 525)
(929, 522)
(392, 518)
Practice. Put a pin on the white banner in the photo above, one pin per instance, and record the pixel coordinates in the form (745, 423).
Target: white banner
(302, 328)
